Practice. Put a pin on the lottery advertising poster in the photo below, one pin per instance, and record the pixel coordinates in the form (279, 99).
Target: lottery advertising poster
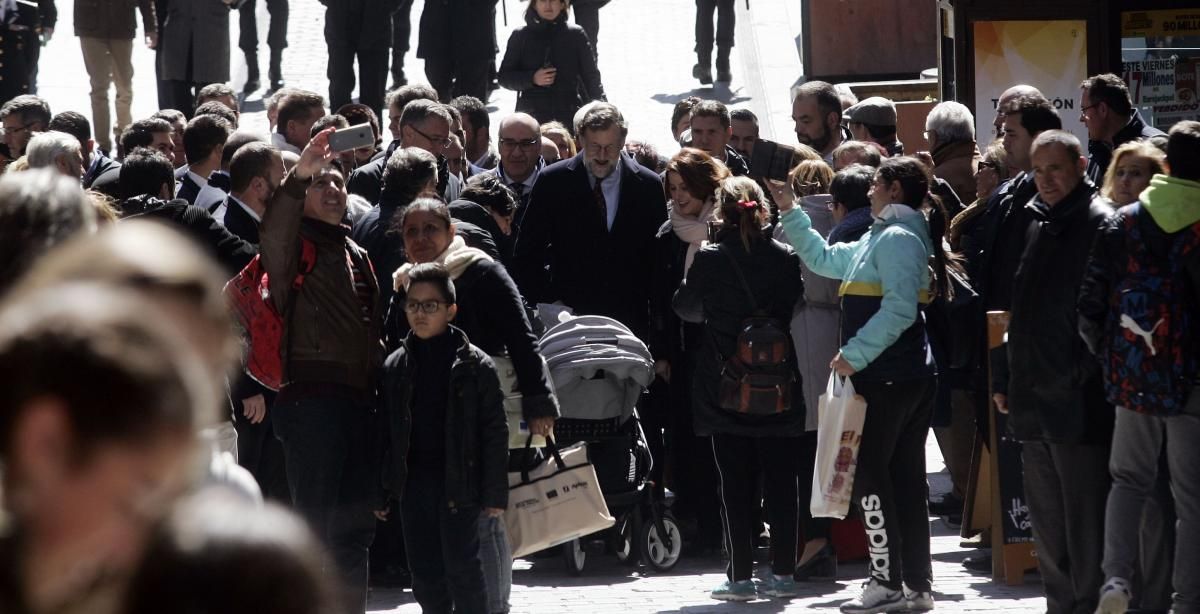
(1049, 55)
(1161, 56)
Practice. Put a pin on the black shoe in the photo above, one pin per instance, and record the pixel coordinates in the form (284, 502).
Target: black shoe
(946, 506)
(252, 74)
(703, 73)
(723, 73)
(823, 564)
(277, 84)
(393, 576)
(981, 562)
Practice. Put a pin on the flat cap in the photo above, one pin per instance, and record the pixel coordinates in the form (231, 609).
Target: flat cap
(875, 110)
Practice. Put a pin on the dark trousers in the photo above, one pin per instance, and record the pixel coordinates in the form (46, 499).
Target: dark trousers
(372, 74)
(261, 453)
(248, 24)
(737, 460)
(456, 75)
(1066, 487)
(726, 19)
(401, 33)
(443, 547)
(810, 528)
(33, 54)
(326, 447)
(588, 18)
(889, 484)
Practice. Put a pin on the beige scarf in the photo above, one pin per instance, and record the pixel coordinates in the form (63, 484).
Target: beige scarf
(457, 258)
(692, 230)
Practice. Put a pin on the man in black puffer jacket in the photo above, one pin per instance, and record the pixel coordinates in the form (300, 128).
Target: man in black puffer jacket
(147, 179)
(1055, 398)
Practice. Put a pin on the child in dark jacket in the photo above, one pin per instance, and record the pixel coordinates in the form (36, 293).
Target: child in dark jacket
(449, 445)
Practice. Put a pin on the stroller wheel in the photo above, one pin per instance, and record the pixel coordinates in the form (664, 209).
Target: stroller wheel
(623, 542)
(661, 551)
(574, 557)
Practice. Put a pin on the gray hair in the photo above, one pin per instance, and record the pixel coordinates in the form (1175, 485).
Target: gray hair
(46, 147)
(600, 116)
(420, 110)
(1059, 137)
(39, 209)
(951, 122)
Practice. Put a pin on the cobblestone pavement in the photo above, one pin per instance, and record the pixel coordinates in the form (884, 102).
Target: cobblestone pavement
(543, 585)
(646, 58)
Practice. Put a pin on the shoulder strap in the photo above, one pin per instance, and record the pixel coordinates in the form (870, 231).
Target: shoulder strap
(308, 260)
(741, 276)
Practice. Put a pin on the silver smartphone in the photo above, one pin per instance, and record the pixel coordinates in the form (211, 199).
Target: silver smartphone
(352, 138)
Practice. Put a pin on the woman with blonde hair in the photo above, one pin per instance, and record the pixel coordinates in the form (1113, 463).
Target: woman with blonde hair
(557, 132)
(1132, 166)
(746, 273)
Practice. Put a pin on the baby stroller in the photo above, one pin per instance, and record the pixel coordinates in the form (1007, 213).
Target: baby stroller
(600, 370)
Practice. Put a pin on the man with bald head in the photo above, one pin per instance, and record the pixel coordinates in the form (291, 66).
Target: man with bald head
(520, 157)
(1005, 100)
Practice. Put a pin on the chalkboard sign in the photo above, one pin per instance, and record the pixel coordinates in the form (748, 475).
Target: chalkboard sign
(1009, 509)
(1014, 511)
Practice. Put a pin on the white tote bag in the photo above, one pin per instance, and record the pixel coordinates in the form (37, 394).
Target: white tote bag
(840, 413)
(554, 503)
(518, 428)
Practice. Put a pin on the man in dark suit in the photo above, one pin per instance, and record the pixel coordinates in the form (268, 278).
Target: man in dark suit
(359, 29)
(255, 173)
(203, 141)
(587, 238)
(100, 172)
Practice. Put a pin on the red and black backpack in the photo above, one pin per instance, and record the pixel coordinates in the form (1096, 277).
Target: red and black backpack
(249, 295)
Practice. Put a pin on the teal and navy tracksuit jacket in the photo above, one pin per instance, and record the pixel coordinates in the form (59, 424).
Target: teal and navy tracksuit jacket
(886, 281)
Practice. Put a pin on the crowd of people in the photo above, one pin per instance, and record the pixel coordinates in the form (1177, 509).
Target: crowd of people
(398, 288)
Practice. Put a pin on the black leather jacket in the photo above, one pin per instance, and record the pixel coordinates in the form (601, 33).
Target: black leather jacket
(476, 450)
(1055, 392)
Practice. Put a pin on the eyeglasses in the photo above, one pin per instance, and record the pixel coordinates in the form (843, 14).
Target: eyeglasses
(986, 165)
(514, 143)
(1083, 110)
(443, 141)
(5, 130)
(425, 307)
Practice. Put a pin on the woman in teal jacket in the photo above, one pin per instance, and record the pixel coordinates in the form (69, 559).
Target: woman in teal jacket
(886, 281)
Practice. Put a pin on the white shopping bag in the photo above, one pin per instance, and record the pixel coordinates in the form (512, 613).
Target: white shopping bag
(840, 415)
(518, 429)
(554, 503)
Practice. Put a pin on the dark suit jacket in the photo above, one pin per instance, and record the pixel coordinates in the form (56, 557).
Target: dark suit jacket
(238, 222)
(105, 178)
(188, 189)
(566, 252)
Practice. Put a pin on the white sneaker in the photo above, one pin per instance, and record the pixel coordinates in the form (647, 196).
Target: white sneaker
(918, 601)
(1114, 597)
(875, 598)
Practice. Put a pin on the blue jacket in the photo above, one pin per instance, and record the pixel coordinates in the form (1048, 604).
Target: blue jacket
(886, 279)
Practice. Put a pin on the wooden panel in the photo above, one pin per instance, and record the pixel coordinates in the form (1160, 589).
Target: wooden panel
(910, 125)
(870, 37)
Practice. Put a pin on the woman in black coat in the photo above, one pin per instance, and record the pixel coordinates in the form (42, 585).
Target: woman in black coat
(747, 447)
(692, 178)
(549, 63)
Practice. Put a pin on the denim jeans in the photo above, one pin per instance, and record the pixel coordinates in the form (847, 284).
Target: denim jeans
(1138, 440)
(496, 556)
(325, 446)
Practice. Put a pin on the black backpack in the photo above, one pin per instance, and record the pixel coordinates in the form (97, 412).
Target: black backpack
(759, 376)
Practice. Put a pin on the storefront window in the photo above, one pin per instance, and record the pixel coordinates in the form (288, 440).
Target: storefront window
(1160, 53)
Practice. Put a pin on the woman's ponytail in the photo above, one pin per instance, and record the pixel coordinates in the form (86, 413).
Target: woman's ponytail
(743, 206)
